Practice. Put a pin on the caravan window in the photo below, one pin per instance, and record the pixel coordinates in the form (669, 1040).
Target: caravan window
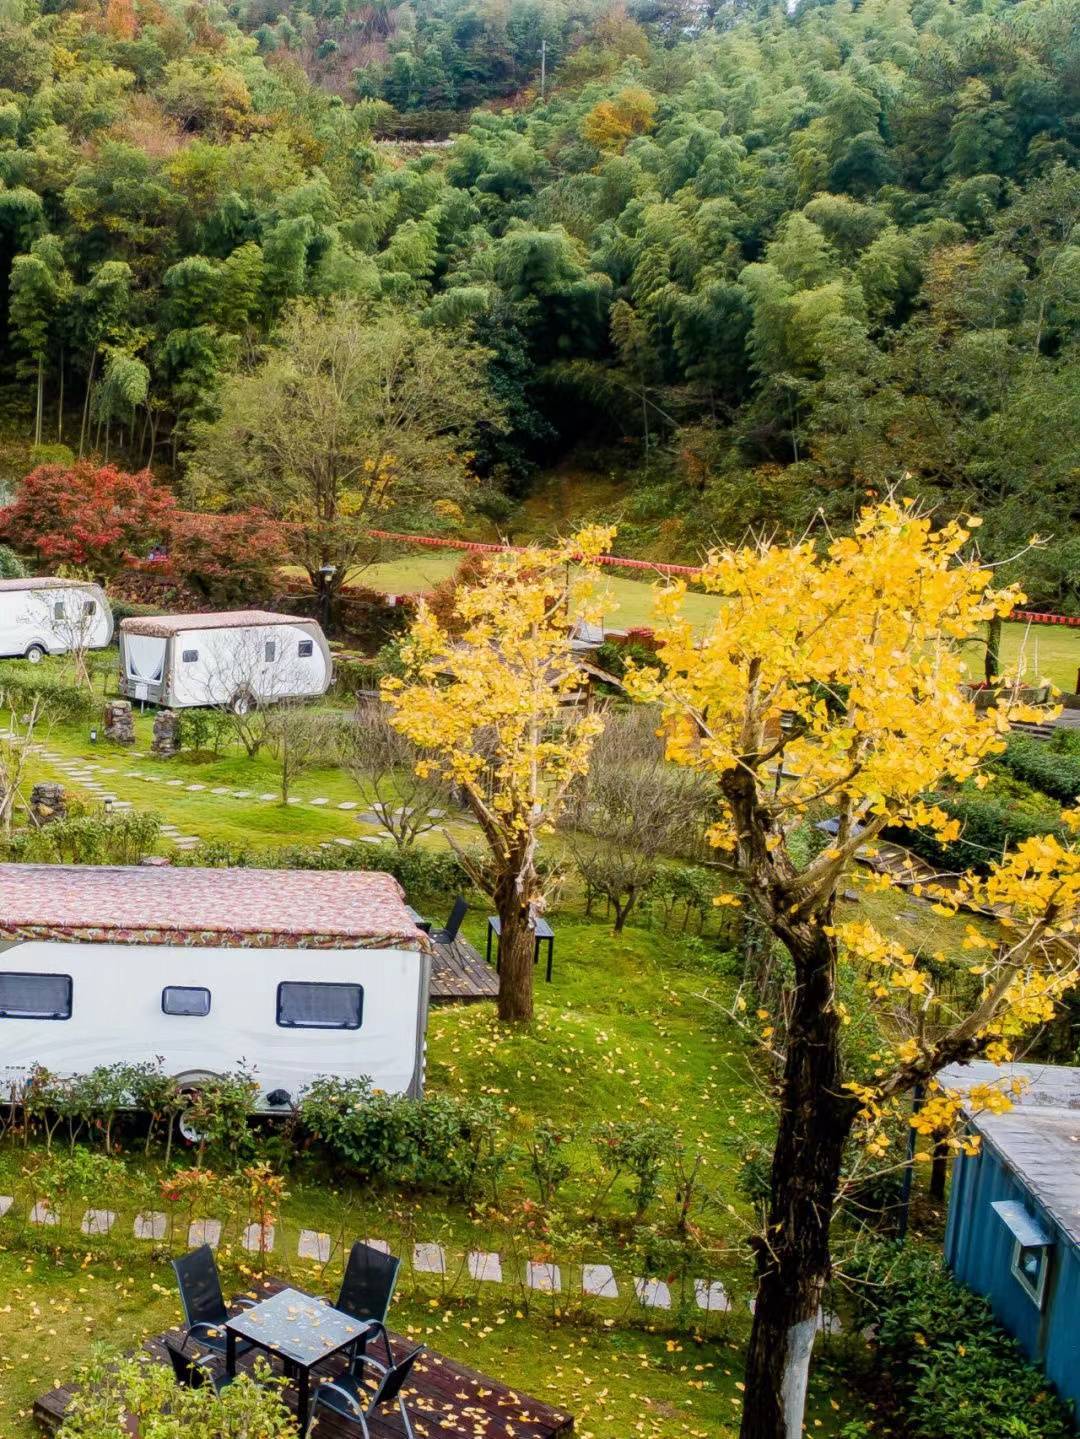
(35, 996)
(58, 610)
(319, 1006)
(305, 649)
(189, 656)
(185, 999)
(89, 607)
(270, 650)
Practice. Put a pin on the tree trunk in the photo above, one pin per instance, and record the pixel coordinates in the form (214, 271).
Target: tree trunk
(993, 649)
(60, 404)
(793, 1258)
(517, 941)
(86, 402)
(40, 399)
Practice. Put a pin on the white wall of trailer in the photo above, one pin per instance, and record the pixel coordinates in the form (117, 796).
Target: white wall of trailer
(54, 618)
(117, 1014)
(272, 661)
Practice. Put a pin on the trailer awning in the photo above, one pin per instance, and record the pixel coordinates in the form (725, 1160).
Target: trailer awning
(1024, 1227)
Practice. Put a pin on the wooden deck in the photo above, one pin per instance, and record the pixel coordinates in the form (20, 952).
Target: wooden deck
(444, 1398)
(460, 975)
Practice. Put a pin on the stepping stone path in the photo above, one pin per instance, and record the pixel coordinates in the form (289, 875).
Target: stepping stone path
(711, 1297)
(42, 1214)
(599, 1281)
(150, 1226)
(6, 1201)
(194, 788)
(98, 1221)
(241, 794)
(221, 789)
(545, 1277)
(267, 797)
(429, 1259)
(369, 839)
(258, 1239)
(175, 783)
(313, 1246)
(318, 801)
(347, 804)
(204, 1231)
(485, 1266)
(653, 1293)
(347, 843)
(379, 1244)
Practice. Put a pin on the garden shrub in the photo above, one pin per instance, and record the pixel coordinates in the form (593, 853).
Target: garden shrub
(58, 701)
(991, 821)
(419, 871)
(952, 1372)
(1047, 766)
(89, 839)
(638, 1151)
(439, 1142)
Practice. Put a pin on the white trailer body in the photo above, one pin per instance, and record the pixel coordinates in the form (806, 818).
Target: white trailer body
(41, 616)
(296, 973)
(288, 1014)
(235, 659)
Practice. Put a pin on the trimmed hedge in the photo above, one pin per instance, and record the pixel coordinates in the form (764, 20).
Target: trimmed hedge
(1047, 766)
(419, 871)
(58, 700)
(990, 823)
(947, 1369)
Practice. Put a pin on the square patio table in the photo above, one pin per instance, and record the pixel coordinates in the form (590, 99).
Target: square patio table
(544, 934)
(302, 1329)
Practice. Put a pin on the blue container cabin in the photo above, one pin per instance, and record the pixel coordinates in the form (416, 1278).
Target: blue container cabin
(1013, 1232)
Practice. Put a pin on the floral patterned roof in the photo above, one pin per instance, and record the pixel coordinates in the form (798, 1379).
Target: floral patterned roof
(214, 907)
(162, 626)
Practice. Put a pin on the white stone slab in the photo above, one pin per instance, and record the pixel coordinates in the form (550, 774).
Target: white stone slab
(599, 1281)
(429, 1259)
(98, 1221)
(313, 1245)
(347, 804)
(345, 843)
(241, 794)
(266, 798)
(194, 788)
(379, 1244)
(318, 801)
(485, 1266)
(653, 1293)
(175, 783)
(204, 1231)
(221, 789)
(711, 1296)
(545, 1277)
(150, 1226)
(6, 1201)
(42, 1214)
(258, 1238)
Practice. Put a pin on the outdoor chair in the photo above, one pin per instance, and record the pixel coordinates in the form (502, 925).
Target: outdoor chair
(195, 1373)
(453, 924)
(347, 1398)
(366, 1291)
(205, 1314)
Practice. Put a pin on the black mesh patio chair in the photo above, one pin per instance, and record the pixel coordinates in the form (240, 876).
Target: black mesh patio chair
(348, 1399)
(194, 1373)
(453, 924)
(205, 1314)
(366, 1292)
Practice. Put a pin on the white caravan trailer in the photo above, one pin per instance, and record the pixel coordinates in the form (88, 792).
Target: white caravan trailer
(239, 658)
(297, 973)
(42, 616)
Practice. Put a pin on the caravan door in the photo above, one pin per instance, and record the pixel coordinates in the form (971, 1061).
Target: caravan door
(144, 665)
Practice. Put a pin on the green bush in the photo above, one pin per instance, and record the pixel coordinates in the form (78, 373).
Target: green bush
(952, 1372)
(1048, 766)
(57, 700)
(439, 1142)
(991, 821)
(419, 871)
(11, 566)
(89, 839)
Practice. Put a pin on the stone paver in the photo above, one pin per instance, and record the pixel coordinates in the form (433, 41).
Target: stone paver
(712, 1297)
(266, 798)
(6, 1201)
(42, 1214)
(368, 839)
(599, 1281)
(347, 804)
(545, 1277)
(653, 1293)
(485, 1266)
(175, 783)
(318, 801)
(97, 1221)
(346, 843)
(313, 1245)
(204, 1231)
(221, 789)
(258, 1238)
(429, 1259)
(379, 1244)
(241, 794)
(194, 788)
(150, 1226)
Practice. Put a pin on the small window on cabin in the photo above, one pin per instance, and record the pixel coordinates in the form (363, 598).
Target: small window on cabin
(35, 996)
(89, 607)
(185, 999)
(311, 1005)
(269, 650)
(189, 656)
(58, 610)
(305, 649)
(1030, 1265)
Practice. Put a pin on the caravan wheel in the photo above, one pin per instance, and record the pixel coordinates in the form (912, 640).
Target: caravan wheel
(35, 654)
(242, 703)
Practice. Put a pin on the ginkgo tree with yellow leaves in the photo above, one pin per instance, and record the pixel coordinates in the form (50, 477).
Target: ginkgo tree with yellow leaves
(485, 702)
(839, 668)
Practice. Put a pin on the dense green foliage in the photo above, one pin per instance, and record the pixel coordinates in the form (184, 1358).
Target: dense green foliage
(785, 260)
(945, 1363)
(1048, 767)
